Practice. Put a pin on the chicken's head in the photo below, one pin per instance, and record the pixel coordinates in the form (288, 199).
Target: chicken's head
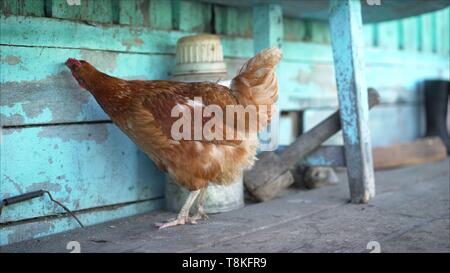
(81, 70)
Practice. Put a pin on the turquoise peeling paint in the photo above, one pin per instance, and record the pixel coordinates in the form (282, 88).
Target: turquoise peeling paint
(84, 166)
(348, 47)
(40, 63)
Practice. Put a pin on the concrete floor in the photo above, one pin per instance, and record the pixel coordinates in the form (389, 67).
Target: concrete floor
(409, 214)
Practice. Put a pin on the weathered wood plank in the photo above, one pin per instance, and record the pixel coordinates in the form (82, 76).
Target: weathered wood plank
(347, 42)
(426, 32)
(35, 91)
(326, 156)
(320, 32)
(154, 13)
(411, 34)
(161, 14)
(191, 16)
(49, 32)
(369, 35)
(96, 11)
(233, 21)
(386, 121)
(294, 29)
(16, 62)
(418, 152)
(267, 26)
(134, 12)
(36, 229)
(84, 166)
(443, 32)
(23, 7)
(27, 31)
(388, 35)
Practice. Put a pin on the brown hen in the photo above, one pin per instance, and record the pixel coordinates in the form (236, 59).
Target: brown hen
(144, 110)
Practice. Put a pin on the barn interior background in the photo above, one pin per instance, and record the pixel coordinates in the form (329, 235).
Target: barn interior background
(55, 137)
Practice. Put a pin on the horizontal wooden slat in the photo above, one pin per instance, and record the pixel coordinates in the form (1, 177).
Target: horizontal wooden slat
(394, 123)
(304, 85)
(326, 156)
(38, 87)
(97, 11)
(417, 152)
(35, 229)
(48, 32)
(83, 166)
(22, 7)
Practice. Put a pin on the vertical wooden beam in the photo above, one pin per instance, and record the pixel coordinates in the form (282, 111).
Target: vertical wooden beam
(427, 32)
(388, 37)
(191, 16)
(443, 32)
(410, 34)
(348, 45)
(267, 28)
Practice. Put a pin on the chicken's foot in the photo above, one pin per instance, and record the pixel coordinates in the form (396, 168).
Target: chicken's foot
(183, 216)
(200, 211)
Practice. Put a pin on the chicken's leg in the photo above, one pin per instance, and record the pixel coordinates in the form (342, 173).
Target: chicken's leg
(200, 211)
(183, 216)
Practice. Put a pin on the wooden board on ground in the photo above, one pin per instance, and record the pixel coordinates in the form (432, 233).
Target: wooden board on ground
(417, 152)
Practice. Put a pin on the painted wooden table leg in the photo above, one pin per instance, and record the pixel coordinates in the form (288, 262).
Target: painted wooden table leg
(348, 44)
(268, 32)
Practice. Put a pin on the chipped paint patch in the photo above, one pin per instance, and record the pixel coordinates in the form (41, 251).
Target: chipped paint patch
(22, 102)
(102, 60)
(73, 2)
(317, 74)
(11, 119)
(99, 136)
(11, 60)
(52, 187)
(23, 232)
(129, 43)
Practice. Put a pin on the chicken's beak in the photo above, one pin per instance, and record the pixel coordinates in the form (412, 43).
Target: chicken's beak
(73, 63)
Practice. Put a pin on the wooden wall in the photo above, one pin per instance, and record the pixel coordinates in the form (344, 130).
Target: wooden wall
(55, 136)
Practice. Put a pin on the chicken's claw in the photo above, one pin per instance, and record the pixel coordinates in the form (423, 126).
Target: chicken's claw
(171, 223)
(198, 216)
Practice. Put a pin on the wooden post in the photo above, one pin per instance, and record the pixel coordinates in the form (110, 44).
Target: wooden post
(348, 42)
(268, 32)
(267, 26)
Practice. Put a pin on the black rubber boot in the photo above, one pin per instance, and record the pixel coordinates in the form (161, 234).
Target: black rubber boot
(436, 102)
